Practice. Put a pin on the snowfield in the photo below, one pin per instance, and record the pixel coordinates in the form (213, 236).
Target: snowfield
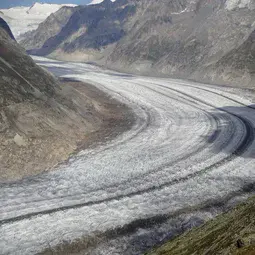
(23, 19)
(189, 155)
(98, 1)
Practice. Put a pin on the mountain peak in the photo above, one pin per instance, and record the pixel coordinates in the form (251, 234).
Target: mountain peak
(100, 1)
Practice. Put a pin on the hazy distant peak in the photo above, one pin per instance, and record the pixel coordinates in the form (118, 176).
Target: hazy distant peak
(98, 1)
(22, 19)
(46, 7)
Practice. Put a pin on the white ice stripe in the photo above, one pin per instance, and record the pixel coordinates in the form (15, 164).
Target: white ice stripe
(179, 153)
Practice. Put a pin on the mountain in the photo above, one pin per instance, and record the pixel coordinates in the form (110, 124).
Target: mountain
(20, 78)
(99, 1)
(189, 39)
(41, 119)
(96, 1)
(89, 30)
(4, 26)
(22, 19)
(230, 233)
(49, 28)
(204, 40)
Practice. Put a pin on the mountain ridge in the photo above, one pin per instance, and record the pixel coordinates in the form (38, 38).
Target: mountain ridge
(43, 120)
(180, 39)
(22, 19)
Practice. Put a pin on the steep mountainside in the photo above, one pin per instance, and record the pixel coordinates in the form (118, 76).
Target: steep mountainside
(21, 79)
(47, 29)
(200, 39)
(22, 19)
(4, 26)
(89, 30)
(41, 120)
(189, 39)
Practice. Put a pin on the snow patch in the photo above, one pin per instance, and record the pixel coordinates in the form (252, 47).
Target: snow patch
(98, 1)
(176, 13)
(234, 4)
(22, 19)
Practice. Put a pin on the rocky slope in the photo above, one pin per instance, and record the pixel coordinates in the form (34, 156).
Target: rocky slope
(189, 39)
(42, 121)
(200, 39)
(89, 30)
(50, 27)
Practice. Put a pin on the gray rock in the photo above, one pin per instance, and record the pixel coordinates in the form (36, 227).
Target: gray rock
(47, 29)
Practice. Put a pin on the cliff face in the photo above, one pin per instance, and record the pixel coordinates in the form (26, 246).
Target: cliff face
(199, 39)
(238, 65)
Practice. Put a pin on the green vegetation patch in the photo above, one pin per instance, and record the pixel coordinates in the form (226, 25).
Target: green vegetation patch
(229, 233)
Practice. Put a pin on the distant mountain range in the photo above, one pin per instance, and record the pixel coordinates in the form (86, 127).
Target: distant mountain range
(98, 1)
(22, 19)
(204, 40)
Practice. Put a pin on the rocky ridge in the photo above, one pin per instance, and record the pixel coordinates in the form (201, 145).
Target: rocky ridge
(42, 120)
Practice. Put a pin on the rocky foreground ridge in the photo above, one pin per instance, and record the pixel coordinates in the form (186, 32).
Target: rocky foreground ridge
(42, 120)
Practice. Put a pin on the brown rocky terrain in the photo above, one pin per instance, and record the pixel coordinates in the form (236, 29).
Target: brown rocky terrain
(42, 120)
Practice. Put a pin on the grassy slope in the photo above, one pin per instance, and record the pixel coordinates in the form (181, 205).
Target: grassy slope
(218, 236)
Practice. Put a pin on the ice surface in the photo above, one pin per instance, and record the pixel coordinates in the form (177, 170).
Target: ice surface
(192, 145)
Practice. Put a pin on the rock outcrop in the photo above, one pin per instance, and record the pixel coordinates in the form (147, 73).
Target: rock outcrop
(4, 26)
(198, 40)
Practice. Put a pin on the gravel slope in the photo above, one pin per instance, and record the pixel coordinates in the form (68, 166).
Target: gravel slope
(188, 157)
